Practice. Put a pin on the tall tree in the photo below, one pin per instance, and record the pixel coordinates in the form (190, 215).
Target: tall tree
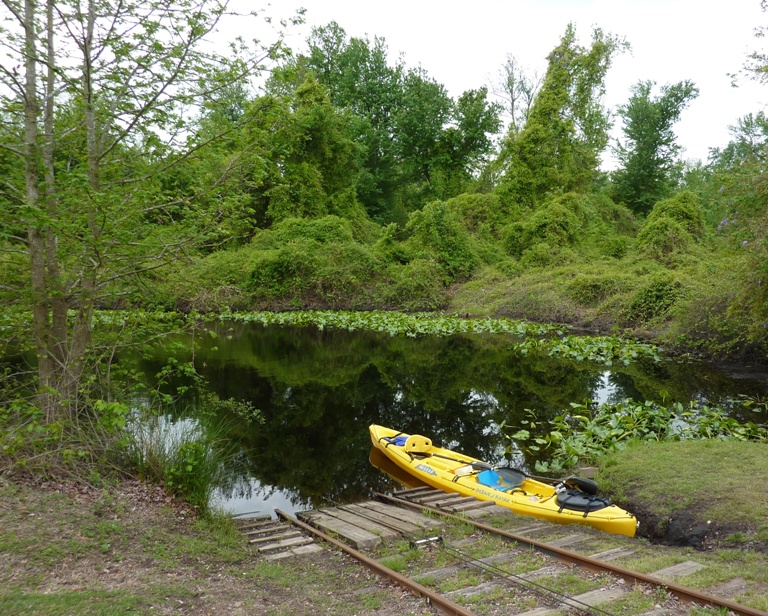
(567, 127)
(649, 150)
(97, 96)
(517, 88)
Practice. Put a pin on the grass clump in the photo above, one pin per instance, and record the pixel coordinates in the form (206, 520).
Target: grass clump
(663, 481)
(189, 456)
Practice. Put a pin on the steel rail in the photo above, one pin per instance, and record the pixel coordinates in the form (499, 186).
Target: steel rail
(441, 603)
(687, 595)
(512, 578)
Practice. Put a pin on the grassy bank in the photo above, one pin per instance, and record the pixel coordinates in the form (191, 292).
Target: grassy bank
(696, 492)
(131, 549)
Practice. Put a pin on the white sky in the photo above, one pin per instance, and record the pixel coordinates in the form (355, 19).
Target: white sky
(463, 45)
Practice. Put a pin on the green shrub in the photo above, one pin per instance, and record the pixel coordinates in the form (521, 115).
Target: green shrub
(614, 246)
(478, 211)
(619, 217)
(344, 275)
(190, 457)
(684, 208)
(663, 238)
(580, 204)
(591, 289)
(391, 247)
(325, 230)
(285, 271)
(511, 268)
(438, 231)
(553, 223)
(300, 194)
(538, 255)
(512, 238)
(714, 319)
(216, 282)
(653, 299)
(544, 254)
(415, 286)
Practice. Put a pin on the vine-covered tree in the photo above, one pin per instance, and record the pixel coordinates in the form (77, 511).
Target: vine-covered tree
(567, 126)
(649, 149)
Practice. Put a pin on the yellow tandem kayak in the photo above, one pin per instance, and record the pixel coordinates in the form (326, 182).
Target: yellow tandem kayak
(572, 501)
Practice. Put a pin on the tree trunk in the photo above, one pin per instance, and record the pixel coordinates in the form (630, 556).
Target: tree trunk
(35, 237)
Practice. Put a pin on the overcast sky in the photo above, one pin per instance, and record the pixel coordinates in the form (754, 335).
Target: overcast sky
(463, 45)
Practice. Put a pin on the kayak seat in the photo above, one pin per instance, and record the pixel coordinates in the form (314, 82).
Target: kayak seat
(493, 480)
(394, 440)
(417, 444)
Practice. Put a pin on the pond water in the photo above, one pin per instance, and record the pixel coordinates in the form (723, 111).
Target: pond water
(319, 390)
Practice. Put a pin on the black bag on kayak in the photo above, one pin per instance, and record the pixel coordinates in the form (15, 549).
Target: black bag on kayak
(576, 500)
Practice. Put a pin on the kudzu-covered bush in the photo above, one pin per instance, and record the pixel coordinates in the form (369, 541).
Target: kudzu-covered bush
(478, 211)
(663, 238)
(326, 230)
(653, 299)
(592, 289)
(554, 223)
(414, 286)
(437, 232)
(313, 274)
(344, 276)
(618, 217)
(284, 271)
(684, 208)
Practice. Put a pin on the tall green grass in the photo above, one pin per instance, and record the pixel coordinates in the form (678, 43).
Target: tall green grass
(189, 457)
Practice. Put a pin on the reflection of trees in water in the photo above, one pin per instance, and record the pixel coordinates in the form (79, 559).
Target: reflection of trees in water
(319, 391)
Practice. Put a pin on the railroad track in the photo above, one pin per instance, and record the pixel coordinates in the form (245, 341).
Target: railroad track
(486, 568)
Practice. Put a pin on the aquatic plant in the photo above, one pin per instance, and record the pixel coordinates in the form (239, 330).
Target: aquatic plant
(586, 432)
(548, 338)
(395, 323)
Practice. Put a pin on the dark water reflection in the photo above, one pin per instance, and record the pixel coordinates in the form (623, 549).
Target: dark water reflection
(319, 390)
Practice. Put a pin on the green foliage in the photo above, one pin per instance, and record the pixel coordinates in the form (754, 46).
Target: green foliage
(664, 239)
(544, 254)
(307, 272)
(24, 433)
(558, 222)
(620, 219)
(415, 286)
(417, 142)
(684, 208)
(286, 271)
(438, 229)
(325, 230)
(592, 289)
(587, 432)
(603, 350)
(650, 149)
(394, 323)
(481, 213)
(185, 453)
(567, 127)
(614, 246)
(653, 299)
